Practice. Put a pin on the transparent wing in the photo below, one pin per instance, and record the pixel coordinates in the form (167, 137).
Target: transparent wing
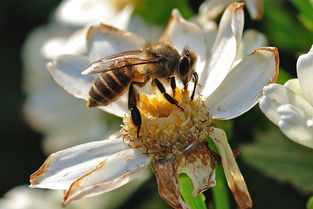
(118, 61)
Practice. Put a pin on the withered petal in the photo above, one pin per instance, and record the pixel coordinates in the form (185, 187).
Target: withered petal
(198, 164)
(233, 175)
(166, 175)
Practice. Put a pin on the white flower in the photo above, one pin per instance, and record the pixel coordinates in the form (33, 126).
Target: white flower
(212, 8)
(47, 108)
(290, 106)
(170, 138)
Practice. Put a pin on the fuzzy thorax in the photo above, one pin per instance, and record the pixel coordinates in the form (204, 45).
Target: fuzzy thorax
(166, 129)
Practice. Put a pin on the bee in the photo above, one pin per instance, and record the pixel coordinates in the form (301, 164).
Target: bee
(121, 72)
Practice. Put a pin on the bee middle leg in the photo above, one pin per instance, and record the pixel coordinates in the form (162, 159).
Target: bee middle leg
(173, 85)
(166, 95)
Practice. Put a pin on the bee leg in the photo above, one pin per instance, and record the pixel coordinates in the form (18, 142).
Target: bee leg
(173, 85)
(132, 106)
(166, 95)
(196, 78)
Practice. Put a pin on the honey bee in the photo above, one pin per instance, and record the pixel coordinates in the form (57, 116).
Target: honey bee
(121, 72)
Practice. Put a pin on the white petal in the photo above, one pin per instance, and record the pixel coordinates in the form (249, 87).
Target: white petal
(232, 172)
(63, 168)
(250, 41)
(294, 85)
(104, 40)
(305, 74)
(66, 72)
(295, 125)
(112, 173)
(210, 9)
(255, 8)
(275, 95)
(224, 49)
(182, 33)
(242, 87)
(85, 12)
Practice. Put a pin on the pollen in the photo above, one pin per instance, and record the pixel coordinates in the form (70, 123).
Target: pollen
(166, 129)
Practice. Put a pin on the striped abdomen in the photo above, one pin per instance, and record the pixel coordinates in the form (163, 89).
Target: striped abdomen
(109, 86)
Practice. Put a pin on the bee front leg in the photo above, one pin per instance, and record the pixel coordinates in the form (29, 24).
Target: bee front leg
(166, 95)
(195, 79)
(173, 85)
(132, 106)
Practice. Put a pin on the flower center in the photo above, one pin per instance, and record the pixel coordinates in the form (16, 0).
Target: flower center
(166, 129)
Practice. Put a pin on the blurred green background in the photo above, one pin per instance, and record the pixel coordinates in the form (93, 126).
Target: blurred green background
(278, 172)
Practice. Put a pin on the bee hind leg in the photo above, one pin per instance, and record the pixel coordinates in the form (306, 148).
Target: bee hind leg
(168, 97)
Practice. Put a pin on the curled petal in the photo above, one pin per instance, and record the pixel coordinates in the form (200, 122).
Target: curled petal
(166, 175)
(198, 164)
(224, 49)
(66, 72)
(243, 86)
(110, 161)
(275, 95)
(295, 125)
(182, 33)
(233, 175)
(105, 40)
(305, 74)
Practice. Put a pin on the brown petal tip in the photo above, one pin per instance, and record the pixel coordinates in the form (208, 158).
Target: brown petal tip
(35, 177)
(242, 198)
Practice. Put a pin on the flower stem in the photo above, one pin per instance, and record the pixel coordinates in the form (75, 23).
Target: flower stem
(220, 191)
(186, 188)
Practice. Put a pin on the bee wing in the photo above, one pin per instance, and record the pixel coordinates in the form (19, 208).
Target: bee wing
(118, 61)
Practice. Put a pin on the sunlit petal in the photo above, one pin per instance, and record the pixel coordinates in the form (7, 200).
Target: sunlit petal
(243, 86)
(305, 74)
(295, 125)
(276, 95)
(224, 49)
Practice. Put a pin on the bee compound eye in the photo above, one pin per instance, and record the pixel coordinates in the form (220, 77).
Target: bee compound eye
(183, 66)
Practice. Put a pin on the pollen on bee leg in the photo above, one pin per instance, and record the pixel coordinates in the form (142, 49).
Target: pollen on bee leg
(165, 128)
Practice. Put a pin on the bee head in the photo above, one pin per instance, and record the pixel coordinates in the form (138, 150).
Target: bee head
(186, 65)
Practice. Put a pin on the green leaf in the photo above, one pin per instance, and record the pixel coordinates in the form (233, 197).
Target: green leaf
(283, 29)
(283, 76)
(306, 15)
(278, 157)
(220, 191)
(309, 204)
(186, 188)
(158, 12)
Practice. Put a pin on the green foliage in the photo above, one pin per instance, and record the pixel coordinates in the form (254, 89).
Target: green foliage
(306, 12)
(186, 188)
(278, 157)
(283, 76)
(283, 30)
(309, 204)
(158, 12)
(220, 191)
